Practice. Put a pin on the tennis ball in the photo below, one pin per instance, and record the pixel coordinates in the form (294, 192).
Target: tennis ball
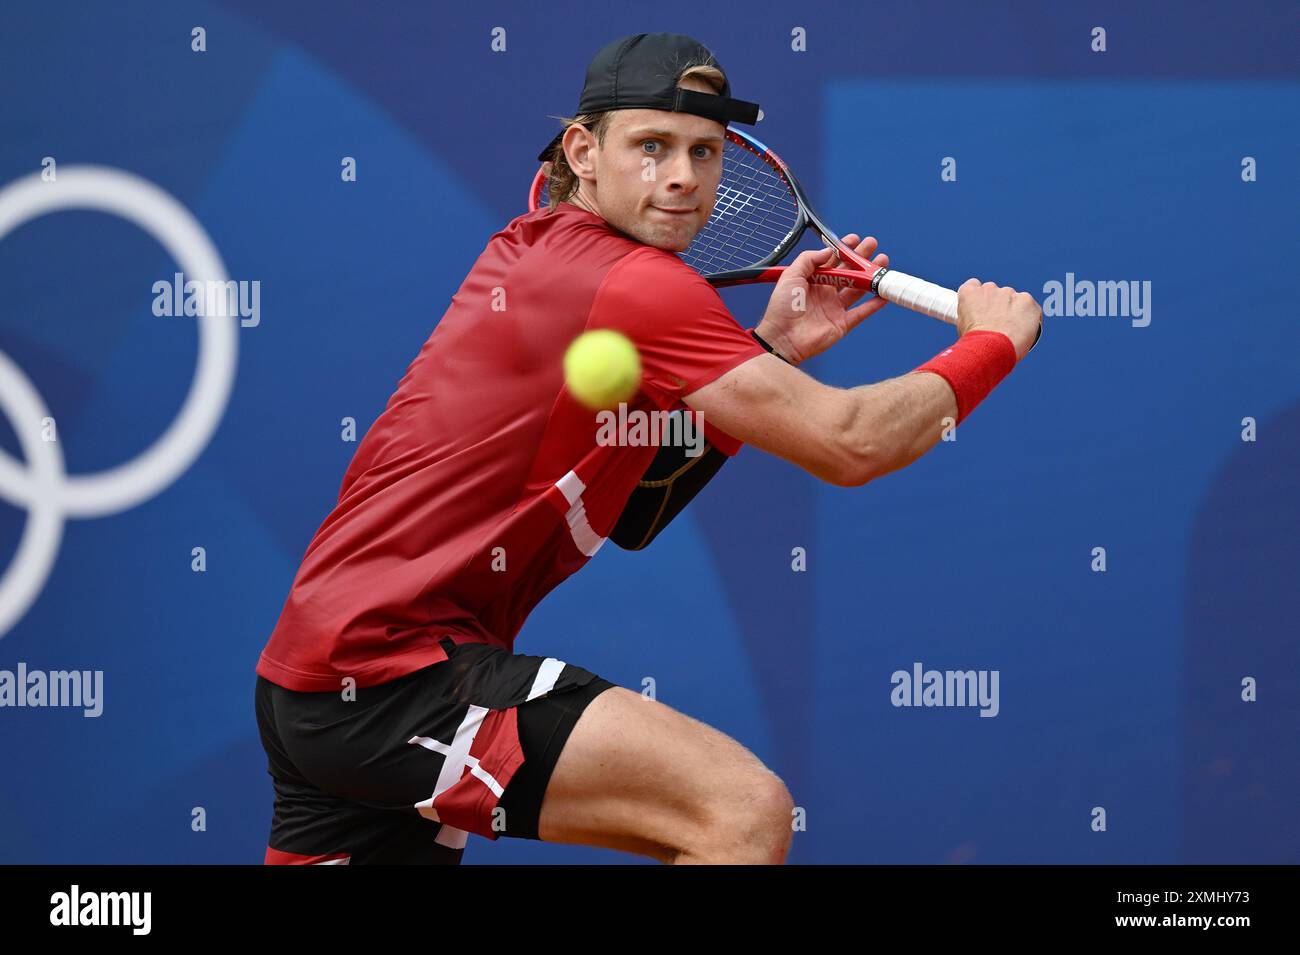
(602, 368)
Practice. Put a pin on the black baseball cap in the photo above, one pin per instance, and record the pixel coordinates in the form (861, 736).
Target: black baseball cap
(641, 72)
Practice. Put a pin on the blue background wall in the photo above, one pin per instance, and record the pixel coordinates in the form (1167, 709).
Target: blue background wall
(1119, 690)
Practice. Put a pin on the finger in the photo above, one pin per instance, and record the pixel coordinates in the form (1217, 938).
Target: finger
(854, 316)
(863, 247)
(835, 260)
(850, 295)
(867, 247)
(807, 262)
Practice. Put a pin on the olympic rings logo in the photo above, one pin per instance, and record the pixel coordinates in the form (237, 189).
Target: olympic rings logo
(49, 494)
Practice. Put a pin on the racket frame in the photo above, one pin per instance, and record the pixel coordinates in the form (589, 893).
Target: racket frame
(864, 274)
(861, 273)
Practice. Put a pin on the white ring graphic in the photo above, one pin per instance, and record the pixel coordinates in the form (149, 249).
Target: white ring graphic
(45, 489)
(44, 528)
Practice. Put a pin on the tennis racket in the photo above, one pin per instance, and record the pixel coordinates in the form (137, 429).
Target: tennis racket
(759, 217)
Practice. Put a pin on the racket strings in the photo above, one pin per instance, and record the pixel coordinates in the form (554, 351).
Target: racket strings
(754, 215)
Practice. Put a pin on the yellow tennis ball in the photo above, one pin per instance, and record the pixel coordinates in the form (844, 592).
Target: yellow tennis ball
(602, 368)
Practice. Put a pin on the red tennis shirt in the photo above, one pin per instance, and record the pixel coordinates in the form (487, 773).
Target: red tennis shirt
(482, 485)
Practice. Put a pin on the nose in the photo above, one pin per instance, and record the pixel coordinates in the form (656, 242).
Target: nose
(679, 173)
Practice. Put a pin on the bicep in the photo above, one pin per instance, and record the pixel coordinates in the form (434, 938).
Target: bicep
(779, 409)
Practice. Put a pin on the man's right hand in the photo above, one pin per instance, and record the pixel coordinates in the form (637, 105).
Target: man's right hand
(997, 308)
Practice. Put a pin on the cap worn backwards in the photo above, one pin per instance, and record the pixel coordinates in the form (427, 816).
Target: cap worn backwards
(642, 71)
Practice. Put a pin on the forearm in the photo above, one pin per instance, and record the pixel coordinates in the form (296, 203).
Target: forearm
(894, 422)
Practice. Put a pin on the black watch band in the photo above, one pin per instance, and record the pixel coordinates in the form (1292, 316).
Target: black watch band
(758, 338)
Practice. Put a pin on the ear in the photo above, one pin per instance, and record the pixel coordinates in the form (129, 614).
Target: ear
(579, 145)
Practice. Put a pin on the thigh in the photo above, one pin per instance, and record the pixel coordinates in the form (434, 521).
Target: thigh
(639, 776)
(544, 727)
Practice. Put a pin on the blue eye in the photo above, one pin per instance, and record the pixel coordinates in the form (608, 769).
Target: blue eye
(650, 145)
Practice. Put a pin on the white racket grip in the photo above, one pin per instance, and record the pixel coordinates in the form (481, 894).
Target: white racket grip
(918, 295)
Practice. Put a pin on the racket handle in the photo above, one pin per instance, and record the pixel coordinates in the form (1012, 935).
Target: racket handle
(917, 294)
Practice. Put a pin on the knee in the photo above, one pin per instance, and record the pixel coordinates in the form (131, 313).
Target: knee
(752, 824)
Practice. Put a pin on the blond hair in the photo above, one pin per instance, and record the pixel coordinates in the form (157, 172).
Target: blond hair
(562, 183)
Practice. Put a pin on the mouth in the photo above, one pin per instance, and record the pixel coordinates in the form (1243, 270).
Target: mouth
(675, 212)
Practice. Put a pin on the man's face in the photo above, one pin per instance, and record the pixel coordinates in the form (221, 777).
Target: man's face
(656, 175)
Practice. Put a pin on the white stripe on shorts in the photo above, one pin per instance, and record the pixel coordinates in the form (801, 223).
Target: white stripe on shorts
(547, 674)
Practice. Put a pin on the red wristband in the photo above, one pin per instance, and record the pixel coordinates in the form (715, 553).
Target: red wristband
(973, 366)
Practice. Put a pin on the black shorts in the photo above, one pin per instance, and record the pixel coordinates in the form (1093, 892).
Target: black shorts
(403, 771)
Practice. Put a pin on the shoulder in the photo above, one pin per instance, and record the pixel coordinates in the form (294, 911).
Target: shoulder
(646, 272)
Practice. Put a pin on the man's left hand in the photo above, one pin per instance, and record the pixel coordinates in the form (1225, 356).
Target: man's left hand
(828, 312)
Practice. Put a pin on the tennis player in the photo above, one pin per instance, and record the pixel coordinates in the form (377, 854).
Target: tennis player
(395, 714)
